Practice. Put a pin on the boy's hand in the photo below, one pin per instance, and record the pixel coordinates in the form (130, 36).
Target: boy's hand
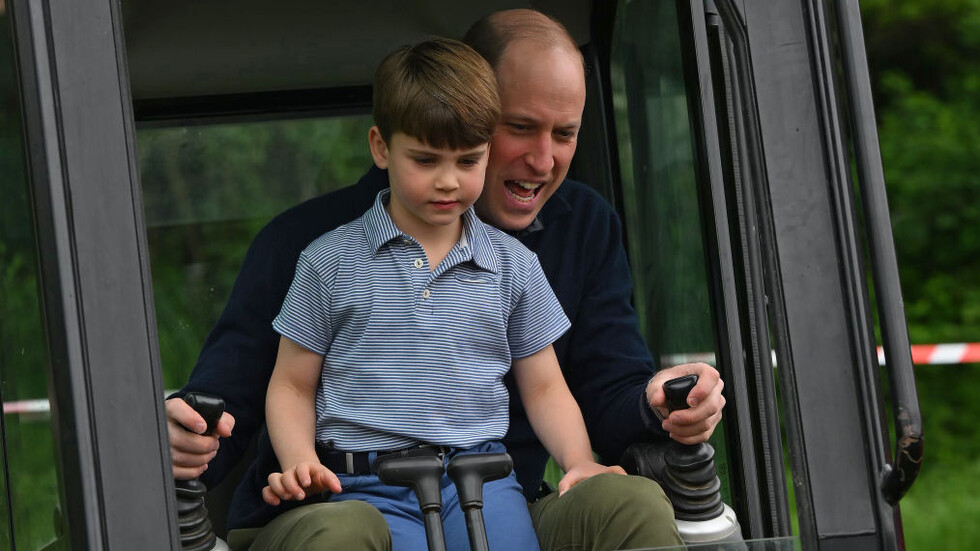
(190, 451)
(581, 472)
(305, 478)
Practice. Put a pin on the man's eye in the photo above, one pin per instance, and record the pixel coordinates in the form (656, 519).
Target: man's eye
(519, 127)
(567, 134)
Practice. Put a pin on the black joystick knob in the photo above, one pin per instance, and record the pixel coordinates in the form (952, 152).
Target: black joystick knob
(691, 480)
(469, 472)
(423, 474)
(196, 531)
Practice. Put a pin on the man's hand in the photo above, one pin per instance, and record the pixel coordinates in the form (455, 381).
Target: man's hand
(581, 472)
(190, 451)
(693, 425)
(296, 482)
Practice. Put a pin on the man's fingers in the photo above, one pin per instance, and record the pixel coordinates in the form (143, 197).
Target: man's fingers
(188, 473)
(187, 442)
(192, 460)
(225, 425)
(184, 415)
(709, 382)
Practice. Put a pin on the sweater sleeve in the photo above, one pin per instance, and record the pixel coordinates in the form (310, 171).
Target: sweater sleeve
(607, 362)
(238, 355)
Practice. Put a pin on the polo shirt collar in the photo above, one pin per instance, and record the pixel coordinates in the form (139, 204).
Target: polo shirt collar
(380, 229)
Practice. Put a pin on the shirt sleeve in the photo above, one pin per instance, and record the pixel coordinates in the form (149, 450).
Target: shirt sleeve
(538, 319)
(305, 314)
(606, 361)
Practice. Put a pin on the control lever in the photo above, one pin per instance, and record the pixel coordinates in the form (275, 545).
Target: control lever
(423, 474)
(691, 481)
(469, 472)
(196, 531)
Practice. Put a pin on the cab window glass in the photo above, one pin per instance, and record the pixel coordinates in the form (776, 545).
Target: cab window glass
(208, 189)
(660, 193)
(31, 498)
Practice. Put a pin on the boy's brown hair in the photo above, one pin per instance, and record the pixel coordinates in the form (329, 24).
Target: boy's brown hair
(439, 91)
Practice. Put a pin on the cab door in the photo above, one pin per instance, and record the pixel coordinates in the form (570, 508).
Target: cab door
(747, 234)
(109, 455)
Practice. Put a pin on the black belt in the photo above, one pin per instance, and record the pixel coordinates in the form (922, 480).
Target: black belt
(358, 463)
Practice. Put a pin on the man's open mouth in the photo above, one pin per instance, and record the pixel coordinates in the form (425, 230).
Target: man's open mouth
(523, 191)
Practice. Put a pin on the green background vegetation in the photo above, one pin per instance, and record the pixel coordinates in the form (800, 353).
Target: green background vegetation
(924, 56)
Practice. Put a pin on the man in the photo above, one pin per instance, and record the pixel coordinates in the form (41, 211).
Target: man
(576, 235)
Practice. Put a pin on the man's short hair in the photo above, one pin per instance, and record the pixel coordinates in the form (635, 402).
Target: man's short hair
(439, 91)
(491, 35)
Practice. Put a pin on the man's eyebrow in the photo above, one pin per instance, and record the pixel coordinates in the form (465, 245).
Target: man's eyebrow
(519, 118)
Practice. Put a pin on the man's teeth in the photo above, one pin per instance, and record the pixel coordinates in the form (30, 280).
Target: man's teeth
(522, 191)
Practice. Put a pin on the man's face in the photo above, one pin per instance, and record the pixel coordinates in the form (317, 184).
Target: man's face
(542, 95)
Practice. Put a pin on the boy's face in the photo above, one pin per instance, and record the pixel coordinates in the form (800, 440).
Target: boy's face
(430, 186)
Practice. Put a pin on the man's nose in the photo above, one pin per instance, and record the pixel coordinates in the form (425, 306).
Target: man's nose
(539, 157)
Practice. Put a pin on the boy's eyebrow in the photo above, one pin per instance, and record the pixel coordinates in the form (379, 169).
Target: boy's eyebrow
(478, 151)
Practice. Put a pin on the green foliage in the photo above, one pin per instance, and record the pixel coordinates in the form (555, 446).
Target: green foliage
(925, 63)
(928, 92)
(207, 190)
(946, 492)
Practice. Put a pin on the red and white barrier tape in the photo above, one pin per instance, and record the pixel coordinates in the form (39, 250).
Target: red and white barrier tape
(922, 354)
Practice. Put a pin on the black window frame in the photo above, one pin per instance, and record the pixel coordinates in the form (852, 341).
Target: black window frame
(106, 391)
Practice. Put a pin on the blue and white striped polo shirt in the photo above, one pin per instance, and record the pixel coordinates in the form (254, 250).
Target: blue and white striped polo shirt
(413, 355)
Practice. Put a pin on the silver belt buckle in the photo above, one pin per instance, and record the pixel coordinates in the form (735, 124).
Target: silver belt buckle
(349, 459)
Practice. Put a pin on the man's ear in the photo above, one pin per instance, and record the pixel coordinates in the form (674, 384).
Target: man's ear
(379, 149)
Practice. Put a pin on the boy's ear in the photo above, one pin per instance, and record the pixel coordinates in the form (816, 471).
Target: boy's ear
(379, 149)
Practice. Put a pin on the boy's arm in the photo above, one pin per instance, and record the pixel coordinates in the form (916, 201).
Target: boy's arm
(555, 417)
(291, 417)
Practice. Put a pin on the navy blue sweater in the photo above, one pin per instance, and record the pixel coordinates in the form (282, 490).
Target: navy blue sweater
(604, 358)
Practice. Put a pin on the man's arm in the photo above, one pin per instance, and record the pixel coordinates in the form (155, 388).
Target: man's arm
(605, 358)
(556, 418)
(236, 361)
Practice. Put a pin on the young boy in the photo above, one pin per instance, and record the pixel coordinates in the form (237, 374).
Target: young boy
(400, 326)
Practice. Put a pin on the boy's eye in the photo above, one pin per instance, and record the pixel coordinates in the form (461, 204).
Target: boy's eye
(425, 161)
(469, 162)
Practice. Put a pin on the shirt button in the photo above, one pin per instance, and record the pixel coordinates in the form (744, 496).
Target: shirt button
(418, 263)
(426, 293)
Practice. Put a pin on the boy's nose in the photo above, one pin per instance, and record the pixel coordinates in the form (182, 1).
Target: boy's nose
(447, 182)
